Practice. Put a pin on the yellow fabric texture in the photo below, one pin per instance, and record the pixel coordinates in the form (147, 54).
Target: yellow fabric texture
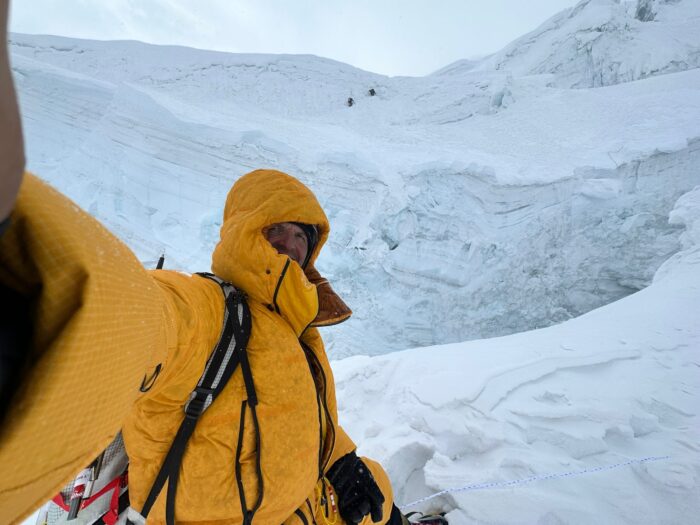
(118, 321)
(98, 329)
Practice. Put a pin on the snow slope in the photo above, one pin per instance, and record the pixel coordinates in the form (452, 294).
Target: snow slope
(547, 197)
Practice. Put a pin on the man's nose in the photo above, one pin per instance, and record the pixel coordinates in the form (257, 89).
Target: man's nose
(284, 241)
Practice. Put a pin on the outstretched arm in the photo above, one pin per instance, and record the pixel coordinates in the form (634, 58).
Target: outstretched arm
(11, 144)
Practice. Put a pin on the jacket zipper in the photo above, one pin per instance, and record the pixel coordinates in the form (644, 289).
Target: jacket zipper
(321, 399)
(279, 283)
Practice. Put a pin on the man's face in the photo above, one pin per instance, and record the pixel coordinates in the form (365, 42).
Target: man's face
(288, 239)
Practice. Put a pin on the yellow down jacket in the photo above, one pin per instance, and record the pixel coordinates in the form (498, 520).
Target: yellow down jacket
(102, 325)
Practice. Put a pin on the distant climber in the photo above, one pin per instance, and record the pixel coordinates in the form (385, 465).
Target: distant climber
(350, 102)
(371, 92)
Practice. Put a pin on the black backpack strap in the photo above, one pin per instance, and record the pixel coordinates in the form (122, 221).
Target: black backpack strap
(252, 403)
(228, 354)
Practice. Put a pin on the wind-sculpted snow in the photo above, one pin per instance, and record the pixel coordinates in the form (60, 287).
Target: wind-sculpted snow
(604, 42)
(556, 418)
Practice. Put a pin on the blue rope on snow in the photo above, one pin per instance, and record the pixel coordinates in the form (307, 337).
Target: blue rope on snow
(532, 479)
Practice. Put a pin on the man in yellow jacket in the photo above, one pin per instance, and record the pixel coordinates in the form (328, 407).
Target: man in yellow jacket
(272, 232)
(110, 346)
(103, 327)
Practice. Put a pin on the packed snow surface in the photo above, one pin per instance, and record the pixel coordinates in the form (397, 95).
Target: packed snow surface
(547, 196)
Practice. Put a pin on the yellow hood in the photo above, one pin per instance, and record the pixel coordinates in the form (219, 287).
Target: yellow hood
(245, 258)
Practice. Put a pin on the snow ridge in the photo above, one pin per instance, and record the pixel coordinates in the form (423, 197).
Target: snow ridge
(605, 42)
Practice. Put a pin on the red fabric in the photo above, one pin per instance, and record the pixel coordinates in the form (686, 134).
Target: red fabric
(111, 517)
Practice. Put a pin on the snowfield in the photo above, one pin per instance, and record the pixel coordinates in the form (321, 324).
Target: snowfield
(529, 224)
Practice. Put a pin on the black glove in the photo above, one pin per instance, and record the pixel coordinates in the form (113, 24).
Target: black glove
(358, 493)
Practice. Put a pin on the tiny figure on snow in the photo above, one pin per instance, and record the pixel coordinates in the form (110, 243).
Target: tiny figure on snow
(350, 102)
(371, 92)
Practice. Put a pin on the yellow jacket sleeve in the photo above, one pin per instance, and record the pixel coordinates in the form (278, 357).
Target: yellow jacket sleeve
(98, 332)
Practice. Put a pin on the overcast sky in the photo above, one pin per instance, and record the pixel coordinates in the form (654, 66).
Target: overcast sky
(392, 37)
